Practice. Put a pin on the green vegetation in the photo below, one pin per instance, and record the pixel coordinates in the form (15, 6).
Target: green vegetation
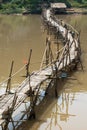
(34, 6)
(20, 6)
(78, 3)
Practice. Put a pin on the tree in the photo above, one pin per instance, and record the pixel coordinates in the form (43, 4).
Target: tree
(79, 1)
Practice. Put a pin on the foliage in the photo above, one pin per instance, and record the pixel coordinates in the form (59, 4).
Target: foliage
(34, 6)
(78, 3)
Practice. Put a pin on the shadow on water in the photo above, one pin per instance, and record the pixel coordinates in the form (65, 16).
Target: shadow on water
(57, 106)
(47, 103)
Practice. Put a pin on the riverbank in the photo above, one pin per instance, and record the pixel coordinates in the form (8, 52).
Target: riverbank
(76, 11)
(68, 11)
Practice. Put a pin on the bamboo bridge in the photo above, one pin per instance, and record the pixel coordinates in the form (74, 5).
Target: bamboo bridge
(66, 60)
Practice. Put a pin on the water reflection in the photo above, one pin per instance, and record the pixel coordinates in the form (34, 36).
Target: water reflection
(66, 113)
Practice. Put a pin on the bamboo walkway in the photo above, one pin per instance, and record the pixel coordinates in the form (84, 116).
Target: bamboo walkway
(67, 58)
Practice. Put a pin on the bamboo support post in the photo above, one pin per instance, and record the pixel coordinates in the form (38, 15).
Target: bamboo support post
(8, 115)
(78, 39)
(9, 80)
(50, 54)
(56, 70)
(8, 119)
(26, 110)
(66, 35)
(66, 59)
(79, 59)
(63, 59)
(57, 48)
(47, 52)
(28, 64)
(48, 30)
(69, 52)
(42, 62)
(78, 55)
(32, 112)
(46, 92)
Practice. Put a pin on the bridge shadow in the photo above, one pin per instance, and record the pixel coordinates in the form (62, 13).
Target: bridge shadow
(45, 107)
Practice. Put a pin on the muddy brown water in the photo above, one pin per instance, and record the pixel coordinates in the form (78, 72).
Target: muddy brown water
(20, 33)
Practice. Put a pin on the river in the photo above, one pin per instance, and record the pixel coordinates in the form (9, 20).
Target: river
(18, 34)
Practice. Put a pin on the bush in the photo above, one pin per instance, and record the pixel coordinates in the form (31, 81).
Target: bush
(10, 8)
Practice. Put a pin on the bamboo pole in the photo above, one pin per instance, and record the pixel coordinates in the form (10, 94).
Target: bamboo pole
(28, 64)
(69, 52)
(56, 93)
(57, 48)
(8, 115)
(47, 52)
(43, 58)
(9, 80)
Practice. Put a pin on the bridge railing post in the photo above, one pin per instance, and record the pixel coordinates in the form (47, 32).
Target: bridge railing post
(8, 115)
(56, 81)
(47, 52)
(9, 80)
(28, 64)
